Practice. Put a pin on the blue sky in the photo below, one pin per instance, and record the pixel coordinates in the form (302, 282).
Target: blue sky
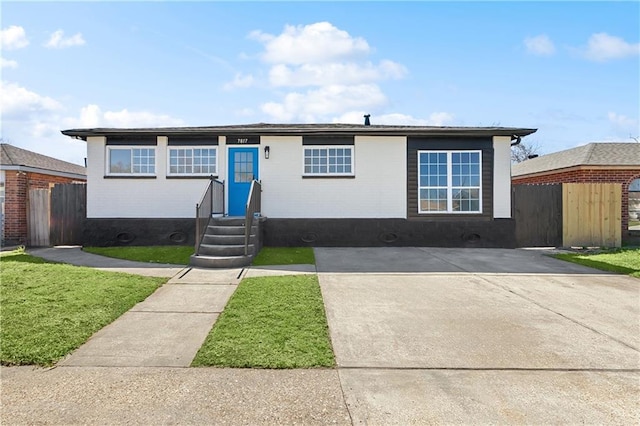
(571, 69)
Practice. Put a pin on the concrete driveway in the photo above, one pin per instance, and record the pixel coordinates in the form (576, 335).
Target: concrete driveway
(430, 335)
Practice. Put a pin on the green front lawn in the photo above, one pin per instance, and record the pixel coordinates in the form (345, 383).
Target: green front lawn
(175, 255)
(624, 261)
(285, 256)
(50, 309)
(179, 255)
(271, 322)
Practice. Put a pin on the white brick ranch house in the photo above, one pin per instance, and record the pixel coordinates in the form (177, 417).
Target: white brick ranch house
(321, 184)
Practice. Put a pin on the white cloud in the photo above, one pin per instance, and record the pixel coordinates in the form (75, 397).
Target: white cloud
(540, 45)
(59, 41)
(603, 47)
(127, 118)
(34, 122)
(93, 116)
(310, 44)
(18, 101)
(623, 126)
(90, 116)
(328, 71)
(240, 81)
(13, 38)
(319, 104)
(8, 63)
(334, 73)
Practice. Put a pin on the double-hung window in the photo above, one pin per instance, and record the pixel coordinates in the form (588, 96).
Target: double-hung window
(332, 160)
(193, 160)
(131, 160)
(450, 181)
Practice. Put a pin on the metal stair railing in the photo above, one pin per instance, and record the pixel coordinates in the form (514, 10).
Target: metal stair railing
(253, 206)
(212, 202)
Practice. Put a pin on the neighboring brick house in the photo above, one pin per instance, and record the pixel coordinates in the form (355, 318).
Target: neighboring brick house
(592, 163)
(21, 170)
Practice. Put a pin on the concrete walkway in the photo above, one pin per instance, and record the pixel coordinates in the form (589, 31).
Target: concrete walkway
(167, 328)
(421, 336)
(75, 256)
(132, 371)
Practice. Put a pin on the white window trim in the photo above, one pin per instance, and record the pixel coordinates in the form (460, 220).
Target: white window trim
(449, 187)
(353, 161)
(130, 147)
(170, 147)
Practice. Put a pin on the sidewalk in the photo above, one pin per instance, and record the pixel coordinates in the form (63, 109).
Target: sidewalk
(75, 256)
(168, 328)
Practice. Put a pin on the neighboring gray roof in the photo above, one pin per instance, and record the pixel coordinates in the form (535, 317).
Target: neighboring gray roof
(300, 129)
(592, 154)
(18, 157)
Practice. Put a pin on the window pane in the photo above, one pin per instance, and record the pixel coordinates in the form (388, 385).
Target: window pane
(190, 160)
(330, 160)
(459, 192)
(243, 166)
(120, 161)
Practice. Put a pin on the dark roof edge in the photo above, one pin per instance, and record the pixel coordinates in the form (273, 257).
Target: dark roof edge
(302, 130)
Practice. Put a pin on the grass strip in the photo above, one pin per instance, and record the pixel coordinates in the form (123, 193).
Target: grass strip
(49, 309)
(624, 261)
(175, 255)
(271, 322)
(285, 256)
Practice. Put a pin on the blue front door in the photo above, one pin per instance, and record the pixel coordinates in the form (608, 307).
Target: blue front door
(243, 168)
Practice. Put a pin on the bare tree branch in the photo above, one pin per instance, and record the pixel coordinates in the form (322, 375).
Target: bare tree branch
(524, 150)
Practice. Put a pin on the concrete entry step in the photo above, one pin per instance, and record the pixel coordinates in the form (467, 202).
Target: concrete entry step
(224, 250)
(204, 261)
(223, 244)
(225, 230)
(230, 240)
(228, 221)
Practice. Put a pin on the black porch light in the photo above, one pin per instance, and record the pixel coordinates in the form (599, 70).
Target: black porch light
(266, 152)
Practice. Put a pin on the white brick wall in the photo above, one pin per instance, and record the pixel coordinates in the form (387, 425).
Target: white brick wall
(153, 198)
(377, 191)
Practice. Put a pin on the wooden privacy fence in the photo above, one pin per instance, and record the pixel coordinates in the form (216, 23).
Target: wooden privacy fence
(38, 217)
(592, 215)
(56, 215)
(568, 215)
(538, 215)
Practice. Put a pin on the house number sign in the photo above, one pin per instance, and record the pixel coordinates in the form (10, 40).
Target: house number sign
(243, 140)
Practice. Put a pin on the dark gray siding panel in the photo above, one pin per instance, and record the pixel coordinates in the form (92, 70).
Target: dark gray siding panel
(181, 140)
(138, 232)
(132, 140)
(327, 140)
(499, 233)
(414, 144)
